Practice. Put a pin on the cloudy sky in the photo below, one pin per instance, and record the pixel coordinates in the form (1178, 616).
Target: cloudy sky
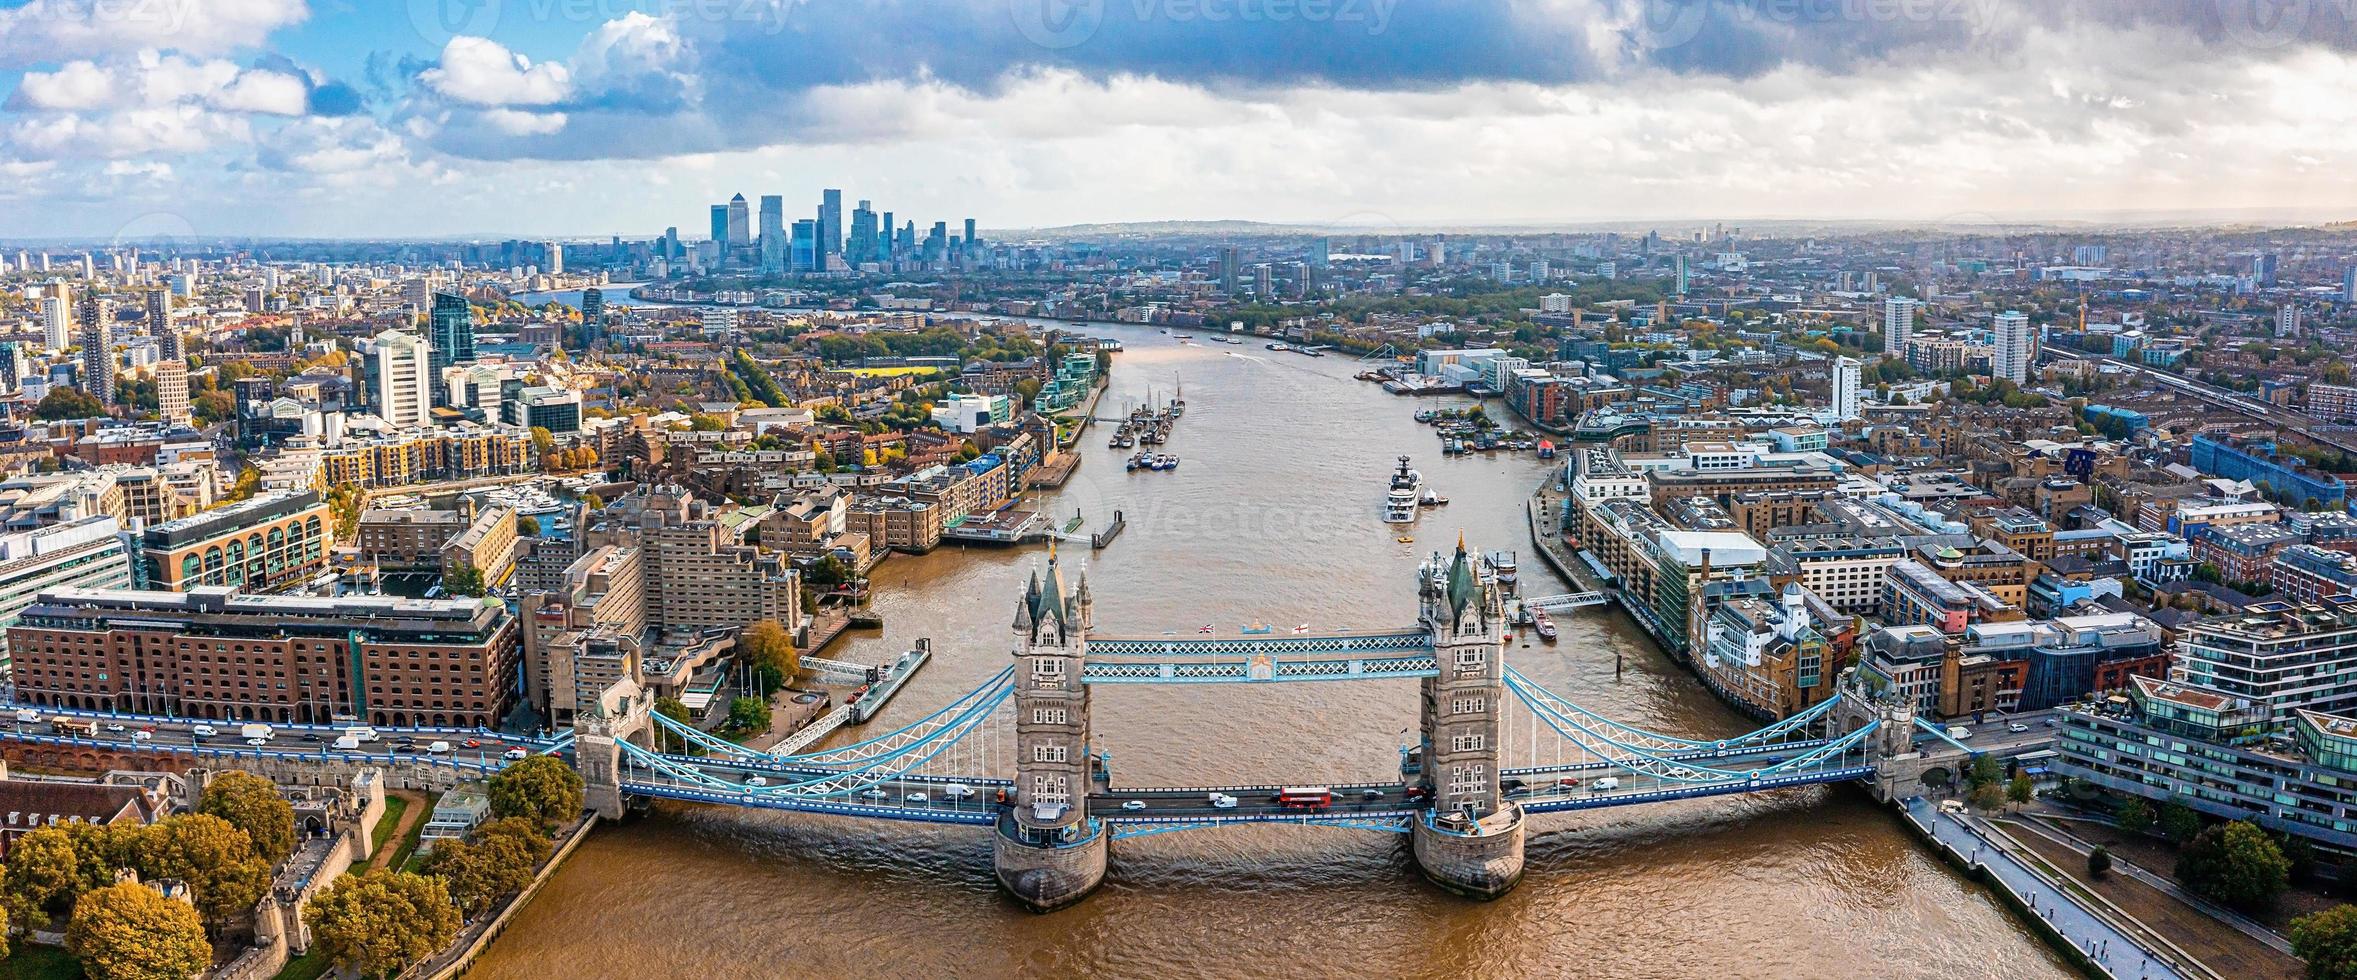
(591, 117)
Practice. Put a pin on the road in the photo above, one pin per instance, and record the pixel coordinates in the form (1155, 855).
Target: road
(140, 733)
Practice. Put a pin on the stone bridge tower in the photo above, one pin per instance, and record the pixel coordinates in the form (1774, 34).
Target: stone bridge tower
(620, 715)
(1869, 698)
(1047, 850)
(1470, 839)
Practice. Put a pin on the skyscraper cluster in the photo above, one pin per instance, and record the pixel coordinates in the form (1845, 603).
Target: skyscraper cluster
(826, 243)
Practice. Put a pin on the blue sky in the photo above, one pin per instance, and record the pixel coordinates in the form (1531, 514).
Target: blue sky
(593, 117)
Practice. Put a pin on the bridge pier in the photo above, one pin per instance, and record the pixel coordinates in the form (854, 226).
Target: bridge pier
(1481, 860)
(1044, 871)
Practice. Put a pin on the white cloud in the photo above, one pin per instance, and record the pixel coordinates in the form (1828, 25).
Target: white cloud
(483, 72)
(153, 79)
(49, 31)
(517, 123)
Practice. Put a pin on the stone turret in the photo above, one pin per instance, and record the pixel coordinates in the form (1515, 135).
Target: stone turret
(1469, 840)
(1049, 853)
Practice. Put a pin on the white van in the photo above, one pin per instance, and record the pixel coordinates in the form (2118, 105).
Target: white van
(347, 743)
(27, 714)
(1606, 782)
(252, 732)
(205, 731)
(361, 734)
(958, 791)
(1223, 801)
(438, 748)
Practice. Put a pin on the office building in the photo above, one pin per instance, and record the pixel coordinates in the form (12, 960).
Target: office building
(740, 223)
(452, 329)
(91, 552)
(802, 250)
(400, 369)
(216, 654)
(264, 543)
(773, 235)
(2010, 359)
(830, 226)
(720, 224)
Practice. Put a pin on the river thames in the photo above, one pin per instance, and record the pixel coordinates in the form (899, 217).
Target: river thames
(1272, 516)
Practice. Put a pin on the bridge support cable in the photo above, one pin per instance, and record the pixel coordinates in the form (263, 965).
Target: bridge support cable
(1633, 736)
(993, 689)
(1643, 761)
(684, 771)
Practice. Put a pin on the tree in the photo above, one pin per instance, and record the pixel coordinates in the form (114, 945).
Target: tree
(464, 580)
(130, 932)
(42, 877)
(1987, 796)
(378, 922)
(212, 856)
(68, 403)
(767, 644)
(2098, 862)
(249, 483)
(496, 863)
(2019, 789)
(2235, 863)
(676, 710)
(1984, 771)
(2134, 816)
(748, 714)
(252, 804)
(2328, 941)
(541, 787)
(2179, 822)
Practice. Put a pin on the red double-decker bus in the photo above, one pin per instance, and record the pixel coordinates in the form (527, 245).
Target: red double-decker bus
(1305, 796)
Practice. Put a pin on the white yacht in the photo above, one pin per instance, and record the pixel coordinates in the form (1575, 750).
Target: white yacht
(1400, 503)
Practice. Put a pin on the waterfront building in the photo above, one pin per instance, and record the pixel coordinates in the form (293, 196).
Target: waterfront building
(262, 544)
(408, 539)
(488, 545)
(2280, 657)
(896, 523)
(1844, 571)
(457, 452)
(2226, 756)
(1686, 564)
(214, 653)
(1767, 656)
(1907, 662)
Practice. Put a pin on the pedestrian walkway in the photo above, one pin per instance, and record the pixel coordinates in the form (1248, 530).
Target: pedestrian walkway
(2167, 886)
(2106, 946)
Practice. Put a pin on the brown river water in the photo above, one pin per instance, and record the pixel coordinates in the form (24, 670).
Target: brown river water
(1272, 516)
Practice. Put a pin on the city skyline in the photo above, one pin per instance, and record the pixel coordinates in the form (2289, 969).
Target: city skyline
(279, 118)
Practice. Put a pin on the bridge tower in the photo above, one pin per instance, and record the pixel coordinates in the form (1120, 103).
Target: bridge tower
(1469, 840)
(620, 715)
(1047, 850)
(1867, 697)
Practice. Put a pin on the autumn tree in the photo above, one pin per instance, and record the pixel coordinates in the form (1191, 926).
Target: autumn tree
(130, 932)
(211, 855)
(767, 644)
(542, 788)
(379, 922)
(496, 863)
(42, 877)
(253, 805)
(2328, 941)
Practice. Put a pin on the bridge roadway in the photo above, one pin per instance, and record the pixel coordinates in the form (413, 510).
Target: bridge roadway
(122, 733)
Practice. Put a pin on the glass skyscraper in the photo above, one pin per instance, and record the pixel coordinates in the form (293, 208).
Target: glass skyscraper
(451, 329)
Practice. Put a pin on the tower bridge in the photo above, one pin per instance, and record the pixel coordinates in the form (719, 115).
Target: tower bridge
(1018, 755)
